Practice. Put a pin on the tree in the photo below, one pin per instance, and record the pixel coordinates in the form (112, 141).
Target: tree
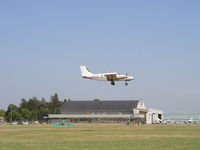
(55, 104)
(23, 103)
(16, 116)
(26, 114)
(32, 109)
(13, 114)
(33, 104)
(2, 113)
(43, 109)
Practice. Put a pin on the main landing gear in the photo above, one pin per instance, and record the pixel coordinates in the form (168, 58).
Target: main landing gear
(112, 83)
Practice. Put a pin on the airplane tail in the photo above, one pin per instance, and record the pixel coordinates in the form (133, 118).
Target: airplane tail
(85, 71)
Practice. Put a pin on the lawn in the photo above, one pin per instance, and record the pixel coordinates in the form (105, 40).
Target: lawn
(100, 137)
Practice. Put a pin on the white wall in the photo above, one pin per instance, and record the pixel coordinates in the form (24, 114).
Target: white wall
(152, 116)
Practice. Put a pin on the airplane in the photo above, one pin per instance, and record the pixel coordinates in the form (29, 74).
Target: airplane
(191, 120)
(112, 77)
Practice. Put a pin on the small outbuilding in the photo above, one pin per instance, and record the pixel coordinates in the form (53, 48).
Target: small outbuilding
(1, 119)
(112, 111)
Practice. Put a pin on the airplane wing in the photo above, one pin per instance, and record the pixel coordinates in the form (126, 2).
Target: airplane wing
(111, 76)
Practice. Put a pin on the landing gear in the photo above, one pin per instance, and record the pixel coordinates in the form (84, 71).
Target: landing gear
(126, 83)
(112, 83)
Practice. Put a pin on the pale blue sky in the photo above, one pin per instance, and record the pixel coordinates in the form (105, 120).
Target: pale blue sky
(43, 43)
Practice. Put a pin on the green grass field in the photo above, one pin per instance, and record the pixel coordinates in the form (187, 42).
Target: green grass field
(100, 137)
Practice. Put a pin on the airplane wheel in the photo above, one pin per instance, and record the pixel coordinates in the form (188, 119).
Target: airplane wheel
(112, 83)
(126, 83)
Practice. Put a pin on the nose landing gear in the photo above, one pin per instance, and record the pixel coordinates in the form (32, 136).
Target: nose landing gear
(126, 83)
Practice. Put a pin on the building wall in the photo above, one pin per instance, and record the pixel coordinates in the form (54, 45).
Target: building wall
(90, 118)
(139, 115)
(154, 116)
(1, 119)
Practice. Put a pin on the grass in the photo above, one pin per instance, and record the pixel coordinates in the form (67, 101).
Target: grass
(100, 137)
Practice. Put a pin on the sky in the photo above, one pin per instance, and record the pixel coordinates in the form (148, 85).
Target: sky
(43, 44)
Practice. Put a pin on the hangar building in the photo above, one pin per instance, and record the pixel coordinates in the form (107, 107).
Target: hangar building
(120, 111)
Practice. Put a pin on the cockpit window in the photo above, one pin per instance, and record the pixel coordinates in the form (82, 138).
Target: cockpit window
(88, 69)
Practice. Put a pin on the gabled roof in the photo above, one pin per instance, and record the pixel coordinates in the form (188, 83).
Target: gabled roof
(82, 106)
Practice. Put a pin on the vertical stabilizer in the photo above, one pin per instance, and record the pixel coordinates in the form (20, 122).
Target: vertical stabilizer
(85, 71)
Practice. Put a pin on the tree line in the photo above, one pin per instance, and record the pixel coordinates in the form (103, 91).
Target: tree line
(33, 109)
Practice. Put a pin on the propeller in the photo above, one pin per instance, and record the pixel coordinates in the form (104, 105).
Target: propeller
(126, 80)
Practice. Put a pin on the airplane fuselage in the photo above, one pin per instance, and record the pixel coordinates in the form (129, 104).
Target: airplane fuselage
(105, 76)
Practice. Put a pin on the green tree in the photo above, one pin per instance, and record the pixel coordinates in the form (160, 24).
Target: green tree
(43, 109)
(16, 116)
(36, 109)
(26, 114)
(24, 103)
(34, 115)
(33, 109)
(33, 104)
(55, 104)
(13, 114)
(2, 113)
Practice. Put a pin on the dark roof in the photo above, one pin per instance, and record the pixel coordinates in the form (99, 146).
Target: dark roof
(125, 105)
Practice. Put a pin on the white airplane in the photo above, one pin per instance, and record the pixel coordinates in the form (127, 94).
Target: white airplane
(112, 77)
